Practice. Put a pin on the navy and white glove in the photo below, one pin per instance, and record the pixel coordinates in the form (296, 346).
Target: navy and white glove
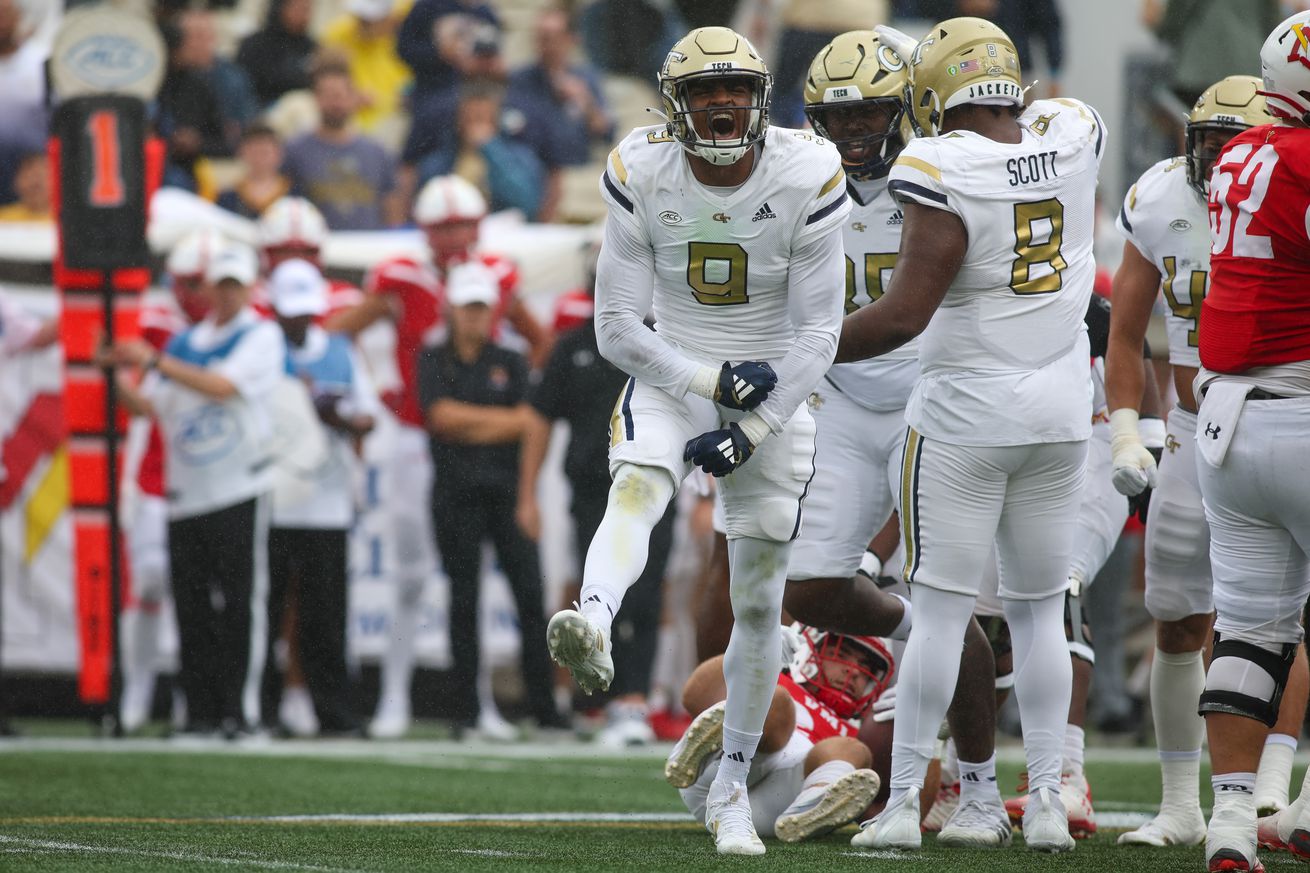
(744, 386)
(719, 452)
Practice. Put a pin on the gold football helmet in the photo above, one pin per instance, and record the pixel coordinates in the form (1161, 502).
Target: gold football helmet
(1231, 105)
(714, 52)
(859, 76)
(959, 61)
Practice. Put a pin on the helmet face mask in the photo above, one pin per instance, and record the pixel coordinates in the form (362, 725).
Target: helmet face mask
(845, 673)
(1223, 110)
(715, 93)
(855, 97)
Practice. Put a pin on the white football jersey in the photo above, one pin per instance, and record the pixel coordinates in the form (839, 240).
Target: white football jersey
(1166, 220)
(1004, 359)
(871, 237)
(722, 257)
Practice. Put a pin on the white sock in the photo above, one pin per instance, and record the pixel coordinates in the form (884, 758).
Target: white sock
(1043, 679)
(618, 551)
(1074, 741)
(738, 751)
(1177, 680)
(927, 675)
(1274, 776)
(139, 648)
(826, 774)
(750, 665)
(1234, 788)
(398, 660)
(978, 781)
(950, 763)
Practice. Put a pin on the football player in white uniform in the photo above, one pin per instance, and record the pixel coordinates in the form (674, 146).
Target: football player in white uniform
(731, 231)
(996, 253)
(1167, 249)
(854, 96)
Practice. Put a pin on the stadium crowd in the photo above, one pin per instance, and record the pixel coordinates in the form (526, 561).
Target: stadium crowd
(254, 388)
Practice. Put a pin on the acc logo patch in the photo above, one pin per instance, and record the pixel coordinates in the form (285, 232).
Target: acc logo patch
(1179, 225)
(208, 434)
(668, 216)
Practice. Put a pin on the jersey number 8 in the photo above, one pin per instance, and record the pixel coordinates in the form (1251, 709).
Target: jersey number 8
(1030, 254)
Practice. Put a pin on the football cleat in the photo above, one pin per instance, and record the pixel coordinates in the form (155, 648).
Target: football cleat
(1076, 795)
(1230, 841)
(1045, 823)
(1267, 835)
(728, 817)
(1170, 827)
(703, 737)
(579, 645)
(896, 827)
(822, 808)
(945, 804)
(977, 825)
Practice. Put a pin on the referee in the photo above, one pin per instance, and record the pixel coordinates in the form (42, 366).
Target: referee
(210, 391)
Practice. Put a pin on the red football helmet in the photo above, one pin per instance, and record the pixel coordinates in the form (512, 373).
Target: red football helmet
(846, 673)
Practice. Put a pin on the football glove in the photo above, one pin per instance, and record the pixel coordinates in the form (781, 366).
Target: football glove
(719, 452)
(745, 386)
(1134, 466)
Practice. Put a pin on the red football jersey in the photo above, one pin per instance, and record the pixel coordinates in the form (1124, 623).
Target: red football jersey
(1257, 312)
(415, 289)
(813, 719)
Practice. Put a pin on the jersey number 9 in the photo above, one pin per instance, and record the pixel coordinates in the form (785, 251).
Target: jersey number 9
(716, 273)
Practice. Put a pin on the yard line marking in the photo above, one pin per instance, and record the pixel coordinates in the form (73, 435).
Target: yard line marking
(52, 846)
(491, 853)
(474, 817)
(882, 855)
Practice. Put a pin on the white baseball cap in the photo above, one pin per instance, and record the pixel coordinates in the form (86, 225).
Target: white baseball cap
(472, 283)
(235, 261)
(296, 287)
(370, 10)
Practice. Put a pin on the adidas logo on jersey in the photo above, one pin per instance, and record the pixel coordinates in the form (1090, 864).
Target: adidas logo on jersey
(763, 213)
(898, 217)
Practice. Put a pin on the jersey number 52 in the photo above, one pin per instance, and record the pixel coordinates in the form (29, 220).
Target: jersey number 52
(1253, 167)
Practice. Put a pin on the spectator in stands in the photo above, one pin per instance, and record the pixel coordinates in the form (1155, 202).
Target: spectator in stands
(506, 170)
(307, 543)
(198, 51)
(474, 398)
(190, 121)
(579, 386)
(278, 57)
(213, 399)
(630, 37)
(347, 175)
(443, 41)
(1210, 39)
(1026, 22)
(32, 185)
(560, 95)
(806, 28)
(366, 36)
(262, 182)
(23, 119)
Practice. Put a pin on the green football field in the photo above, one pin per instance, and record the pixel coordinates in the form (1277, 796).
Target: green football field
(83, 804)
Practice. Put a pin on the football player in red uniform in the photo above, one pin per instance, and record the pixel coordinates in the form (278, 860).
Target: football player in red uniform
(1253, 431)
(811, 772)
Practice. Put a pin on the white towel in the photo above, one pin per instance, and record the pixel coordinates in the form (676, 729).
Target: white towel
(1217, 419)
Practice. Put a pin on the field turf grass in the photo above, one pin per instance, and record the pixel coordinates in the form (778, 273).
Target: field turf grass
(69, 804)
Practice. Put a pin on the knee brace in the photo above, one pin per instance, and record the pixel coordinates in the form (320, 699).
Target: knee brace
(1075, 627)
(1231, 686)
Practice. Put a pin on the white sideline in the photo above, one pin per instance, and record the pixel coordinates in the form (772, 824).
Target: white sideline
(56, 846)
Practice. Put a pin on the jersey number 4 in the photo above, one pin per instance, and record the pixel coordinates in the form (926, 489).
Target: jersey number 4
(1038, 235)
(1256, 169)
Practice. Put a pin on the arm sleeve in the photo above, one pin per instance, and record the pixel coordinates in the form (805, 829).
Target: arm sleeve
(916, 177)
(257, 363)
(625, 277)
(816, 283)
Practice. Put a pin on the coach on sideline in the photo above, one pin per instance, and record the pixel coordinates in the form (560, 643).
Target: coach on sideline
(210, 390)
